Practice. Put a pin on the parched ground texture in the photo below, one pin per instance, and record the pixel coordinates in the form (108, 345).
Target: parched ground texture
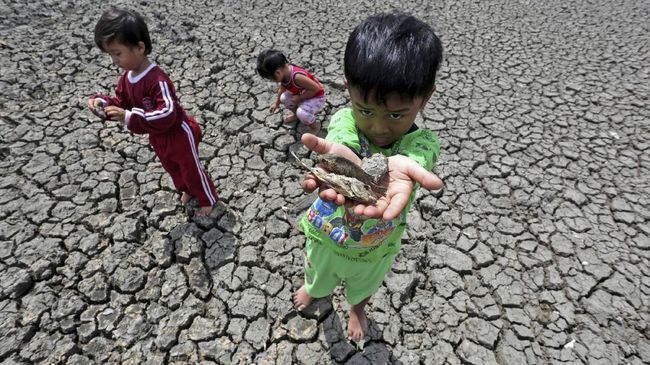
(536, 252)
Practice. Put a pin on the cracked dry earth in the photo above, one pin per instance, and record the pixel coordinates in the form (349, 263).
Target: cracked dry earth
(537, 251)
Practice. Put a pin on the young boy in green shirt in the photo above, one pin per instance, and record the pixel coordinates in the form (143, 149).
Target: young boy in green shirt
(390, 64)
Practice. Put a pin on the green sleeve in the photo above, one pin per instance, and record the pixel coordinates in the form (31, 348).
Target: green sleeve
(423, 147)
(342, 129)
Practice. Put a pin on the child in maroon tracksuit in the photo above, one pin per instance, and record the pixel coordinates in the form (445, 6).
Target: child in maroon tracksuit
(145, 101)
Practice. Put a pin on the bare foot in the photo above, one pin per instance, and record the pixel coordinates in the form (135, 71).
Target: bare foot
(204, 211)
(301, 299)
(185, 198)
(290, 118)
(357, 325)
(314, 127)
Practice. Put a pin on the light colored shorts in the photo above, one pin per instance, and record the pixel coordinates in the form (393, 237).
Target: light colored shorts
(307, 110)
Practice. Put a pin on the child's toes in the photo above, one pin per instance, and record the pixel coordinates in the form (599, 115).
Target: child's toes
(185, 198)
(204, 211)
(354, 336)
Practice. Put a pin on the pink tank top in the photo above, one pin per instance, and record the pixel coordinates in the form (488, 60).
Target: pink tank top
(294, 88)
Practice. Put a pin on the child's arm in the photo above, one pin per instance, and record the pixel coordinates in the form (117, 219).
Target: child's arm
(276, 104)
(107, 100)
(161, 117)
(404, 174)
(310, 85)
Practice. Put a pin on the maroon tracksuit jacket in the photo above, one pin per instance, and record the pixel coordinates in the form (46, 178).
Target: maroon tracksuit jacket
(152, 107)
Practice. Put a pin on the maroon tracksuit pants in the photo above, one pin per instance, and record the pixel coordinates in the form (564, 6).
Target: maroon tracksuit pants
(178, 152)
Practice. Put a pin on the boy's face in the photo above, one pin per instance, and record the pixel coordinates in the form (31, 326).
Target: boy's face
(384, 124)
(125, 56)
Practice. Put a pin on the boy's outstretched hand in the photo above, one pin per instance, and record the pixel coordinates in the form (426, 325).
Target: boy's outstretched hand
(403, 173)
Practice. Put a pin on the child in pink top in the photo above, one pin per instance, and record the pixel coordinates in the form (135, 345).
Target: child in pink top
(299, 91)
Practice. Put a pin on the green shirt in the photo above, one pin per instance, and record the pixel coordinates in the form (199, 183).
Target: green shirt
(342, 230)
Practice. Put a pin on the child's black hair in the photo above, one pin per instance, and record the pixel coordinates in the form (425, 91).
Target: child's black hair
(268, 61)
(392, 53)
(124, 26)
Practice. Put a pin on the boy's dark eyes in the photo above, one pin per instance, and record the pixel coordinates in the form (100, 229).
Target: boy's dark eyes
(368, 113)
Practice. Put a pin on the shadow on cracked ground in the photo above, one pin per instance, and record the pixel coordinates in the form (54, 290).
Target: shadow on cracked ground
(536, 252)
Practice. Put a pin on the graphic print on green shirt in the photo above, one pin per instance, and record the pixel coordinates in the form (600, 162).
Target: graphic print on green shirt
(342, 230)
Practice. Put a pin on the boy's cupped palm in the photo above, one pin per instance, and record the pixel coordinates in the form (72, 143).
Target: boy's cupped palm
(403, 174)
